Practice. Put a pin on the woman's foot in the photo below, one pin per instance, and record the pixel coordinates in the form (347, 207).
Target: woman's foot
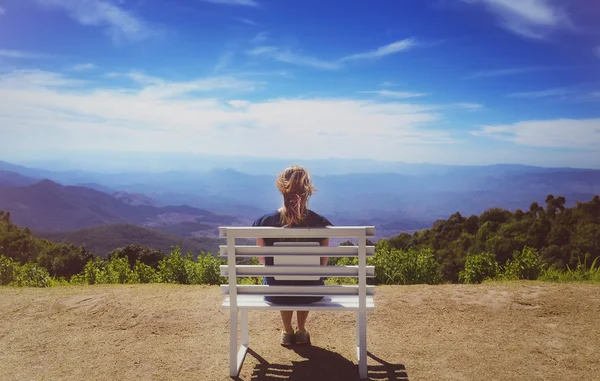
(302, 337)
(287, 338)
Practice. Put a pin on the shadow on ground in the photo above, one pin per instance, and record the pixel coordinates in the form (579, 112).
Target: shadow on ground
(321, 364)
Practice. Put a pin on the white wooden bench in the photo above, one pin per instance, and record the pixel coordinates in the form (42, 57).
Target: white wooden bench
(242, 298)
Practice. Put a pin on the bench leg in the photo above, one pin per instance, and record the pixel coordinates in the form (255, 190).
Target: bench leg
(237, 357)
(233, 332)
(244, 323)
(361, 343)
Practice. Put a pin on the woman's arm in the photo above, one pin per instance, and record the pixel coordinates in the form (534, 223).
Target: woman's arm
(260, 242)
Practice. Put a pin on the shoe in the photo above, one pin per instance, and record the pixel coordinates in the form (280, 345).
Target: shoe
(287, 338)
(302, 337)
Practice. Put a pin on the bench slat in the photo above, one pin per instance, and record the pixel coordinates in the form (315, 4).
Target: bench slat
(329, 303)
(272, 251)
(322, 271)
(251, 289)
(273, 232)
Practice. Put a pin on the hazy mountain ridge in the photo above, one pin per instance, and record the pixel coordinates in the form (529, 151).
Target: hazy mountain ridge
(48, 206)
(102, 240)
(408, 200)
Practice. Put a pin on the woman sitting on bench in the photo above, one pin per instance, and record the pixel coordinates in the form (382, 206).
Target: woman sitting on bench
(295, 185)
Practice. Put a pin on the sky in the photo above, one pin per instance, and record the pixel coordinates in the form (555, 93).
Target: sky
(436, 81)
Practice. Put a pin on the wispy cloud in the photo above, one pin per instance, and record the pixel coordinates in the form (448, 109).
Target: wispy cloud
(597, 51)
(83, 67)
(539, 93)
(38, 78)
(387, 84)
(595, 94)
(249, 3)
(394, 47)
(394, 94)
(247, 21)
(259, 38)
(207, 115)
(559, 133)
(513, 71)
(158, 88)
(120, 24)
(290, 57)
(2, 11)
(21, 54)
(533, 19)
(224, 61)
(468, 106)
(287, 56)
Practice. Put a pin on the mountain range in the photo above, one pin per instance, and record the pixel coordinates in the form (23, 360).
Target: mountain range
(408, 199)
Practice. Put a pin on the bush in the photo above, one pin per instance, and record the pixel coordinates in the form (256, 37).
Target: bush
(172, 269)
(525, 264)
(32, 275)
(415, 266)
(143, 273)
(479, 267)
(580, 274)
(94, 272)
(118, 271)
(9, 270)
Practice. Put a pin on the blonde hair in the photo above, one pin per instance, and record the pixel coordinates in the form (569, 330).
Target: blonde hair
(295, 185)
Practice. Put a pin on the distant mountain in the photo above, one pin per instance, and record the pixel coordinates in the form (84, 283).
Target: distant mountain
(48, 206)
(134, 198)
(98, 187)
(13, 179)
(102, 240)
(396, 195)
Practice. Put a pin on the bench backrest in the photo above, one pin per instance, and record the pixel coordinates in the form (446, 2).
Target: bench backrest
(232, 270)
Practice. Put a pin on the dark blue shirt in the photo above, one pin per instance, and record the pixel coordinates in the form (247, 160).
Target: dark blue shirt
(312, 220)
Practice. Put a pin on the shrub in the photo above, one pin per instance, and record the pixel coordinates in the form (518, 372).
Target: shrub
(94, 272)
(32, 275)
(118, 271)
(9, 270)
(581, 273)
(415, 266)
(143, 273)
(173, 269)
(479, 267)
(525, 264)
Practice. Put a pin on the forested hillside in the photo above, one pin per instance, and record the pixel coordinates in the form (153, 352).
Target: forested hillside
(562, 236)
(539, 243)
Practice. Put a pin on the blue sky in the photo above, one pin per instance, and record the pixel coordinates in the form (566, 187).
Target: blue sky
(440, 81)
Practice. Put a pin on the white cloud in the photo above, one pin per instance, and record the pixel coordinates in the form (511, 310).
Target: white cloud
(38, 78)
(597, 51)
(287, 56)
(533, 19)
(510, 71)
(388, 84)
(259, 38)
(249, 3)
(83, 67)
(21, 54)
(120, 24)
(394, 94)
(247, 21)
(204, 115)
(224, 61)
(2, 11)
(559, 133)
(468, 106)
(539, 93)
(290, 57)
(394, 47)
(595, 94)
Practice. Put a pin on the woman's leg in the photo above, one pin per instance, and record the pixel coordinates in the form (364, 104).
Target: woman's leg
(302, 315)
(286, 318)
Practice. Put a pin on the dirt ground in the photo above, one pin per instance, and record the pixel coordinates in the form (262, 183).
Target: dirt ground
(499, 331)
